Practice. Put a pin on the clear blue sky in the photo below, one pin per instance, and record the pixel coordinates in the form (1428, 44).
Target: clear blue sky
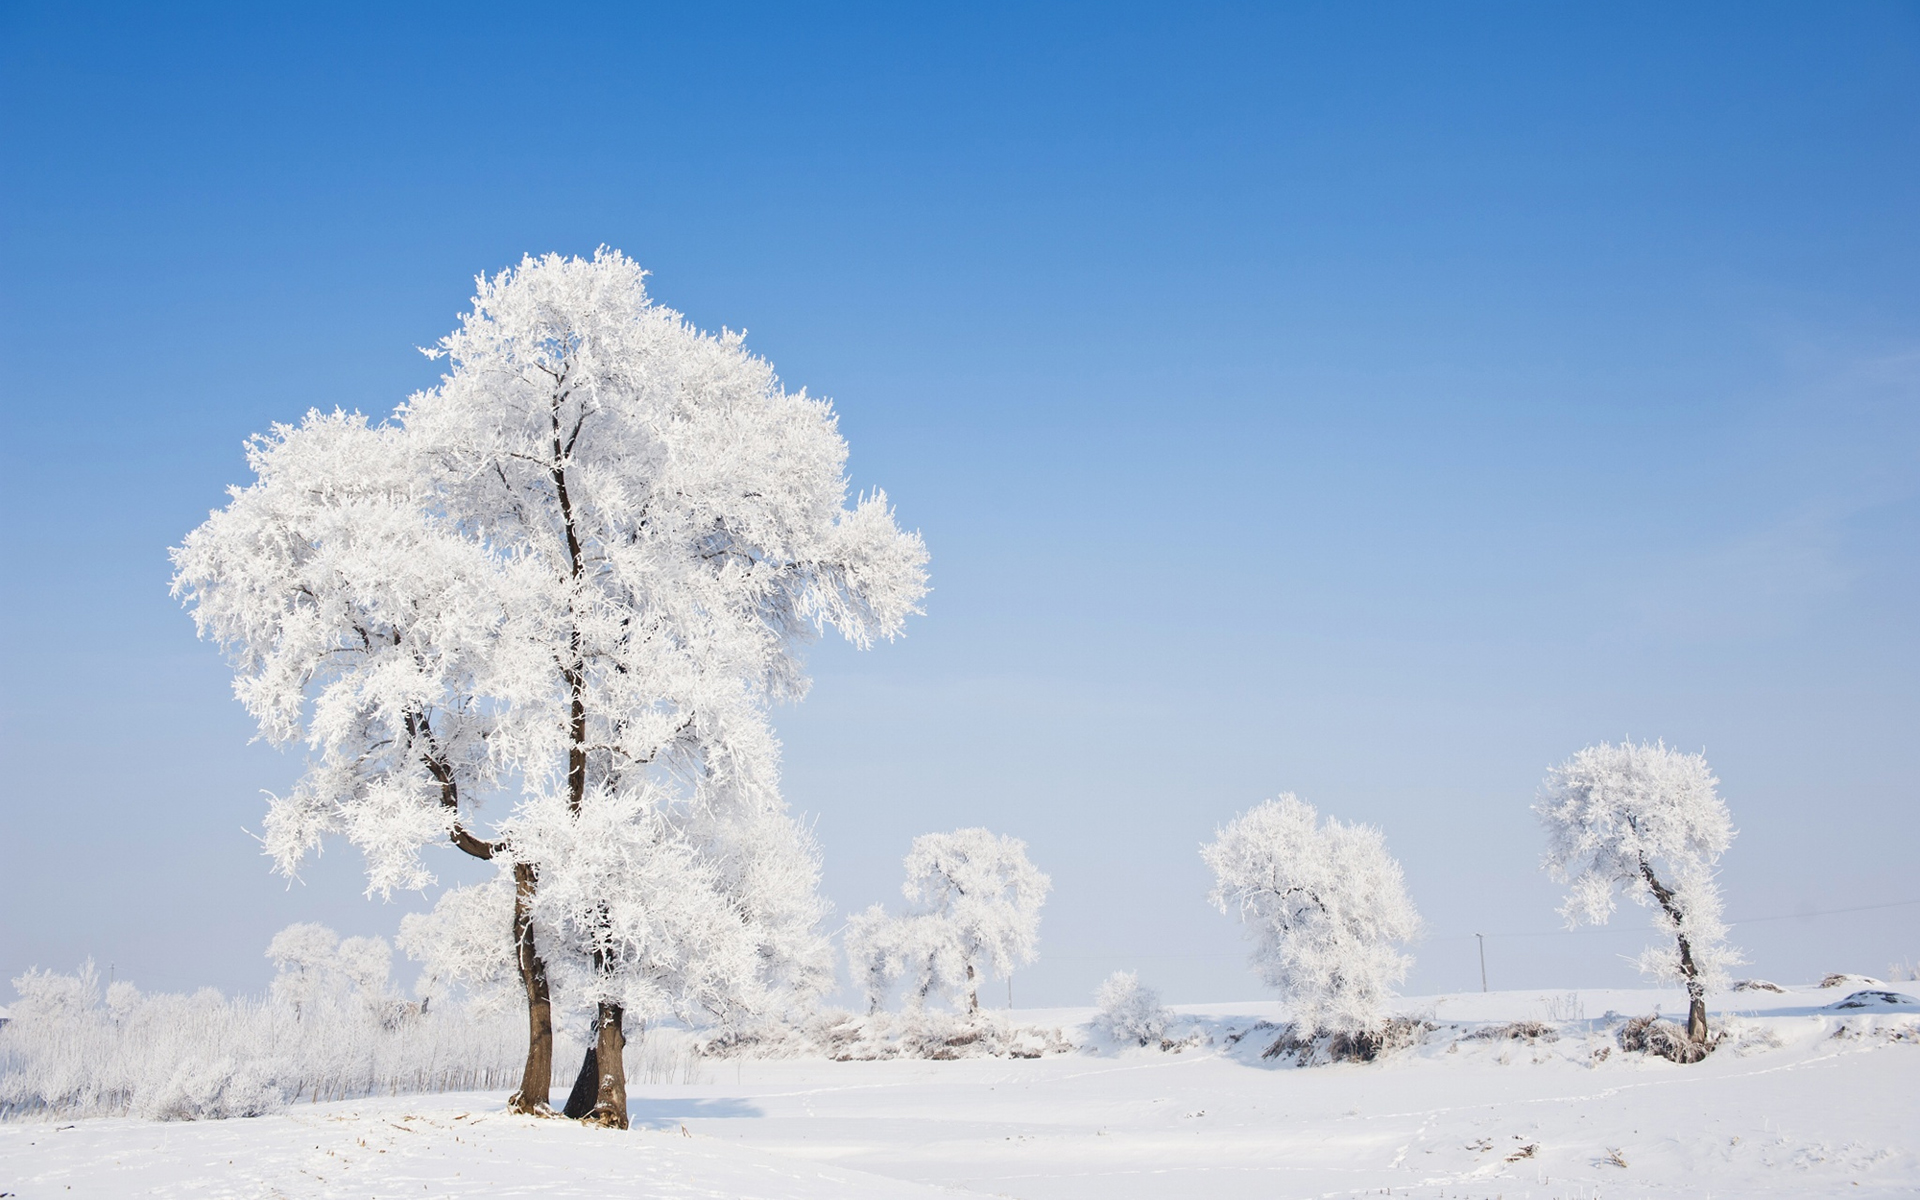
(1378, 402)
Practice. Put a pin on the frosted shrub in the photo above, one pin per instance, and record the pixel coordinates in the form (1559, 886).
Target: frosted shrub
(1652, 1035)
(918, 1033)
(175, 1057)
(329, 1028)
(1130, 1011)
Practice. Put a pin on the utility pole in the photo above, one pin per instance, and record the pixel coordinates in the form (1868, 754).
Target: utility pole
(1483, 960)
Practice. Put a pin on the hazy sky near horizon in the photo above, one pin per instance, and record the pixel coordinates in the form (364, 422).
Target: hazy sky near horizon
(1372, 402)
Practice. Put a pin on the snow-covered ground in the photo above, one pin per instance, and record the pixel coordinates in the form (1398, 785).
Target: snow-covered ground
(1800, 1100)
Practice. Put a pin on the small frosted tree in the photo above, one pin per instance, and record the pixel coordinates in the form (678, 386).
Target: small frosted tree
(1326, 907)
(879, 947)
(975, 905)
(1130, 1011)
(1648, 821)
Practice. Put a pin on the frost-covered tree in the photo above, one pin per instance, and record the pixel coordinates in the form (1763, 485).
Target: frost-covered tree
(314, 965)
(303, 960)
(974, 903)
(1326, 907)
(878, 945)
(460, 946)
(1648, 821)
(583, 564)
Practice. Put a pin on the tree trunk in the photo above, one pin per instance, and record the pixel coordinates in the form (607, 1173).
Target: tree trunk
(973, 991)
(610, 1104)
(536, 1081)
(1689, 970)
(1696, 1012)
(586, 1085)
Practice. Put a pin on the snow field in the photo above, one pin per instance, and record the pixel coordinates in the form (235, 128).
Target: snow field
(1800, 1100)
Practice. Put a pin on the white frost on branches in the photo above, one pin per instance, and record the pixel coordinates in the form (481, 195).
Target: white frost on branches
(360, 621)
(974, 905)
(461, 945)
(314, 966)
(638, 911)
(1326, 907)
(1646, 820)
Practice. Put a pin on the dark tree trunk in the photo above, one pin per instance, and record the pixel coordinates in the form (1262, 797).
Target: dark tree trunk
(973, 991)
(536, 1081)
(586, 1085)
(536, 1077)
(610, 1100)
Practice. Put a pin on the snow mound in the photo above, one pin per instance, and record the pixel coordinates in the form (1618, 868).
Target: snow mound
(1875, 998)
(1842, 980)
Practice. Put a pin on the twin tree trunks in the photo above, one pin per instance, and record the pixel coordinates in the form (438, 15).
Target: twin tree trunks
(605, 1061)
(673, 507)
(599, 1093)
(599, 1096)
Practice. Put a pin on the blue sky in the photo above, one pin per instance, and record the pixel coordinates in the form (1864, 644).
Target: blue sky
(1374, 402)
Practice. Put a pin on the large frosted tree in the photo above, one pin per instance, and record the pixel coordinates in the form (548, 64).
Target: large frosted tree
(582, 566)
(1326, 908)
(1649, 821)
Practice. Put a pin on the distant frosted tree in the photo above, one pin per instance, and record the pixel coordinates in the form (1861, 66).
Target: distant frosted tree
(1129, 1010)
(878, 944)
(314, 965)
(974, 904)
(1648, 821)
(1326, 907)
(460, 945)
(583, 564)
(303, 959)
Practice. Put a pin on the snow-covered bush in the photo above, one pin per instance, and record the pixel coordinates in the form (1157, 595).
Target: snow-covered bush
(1648, 821)
(1655, 1035)
(974, 905)
(918, 1033)
(1129, 1010)
(1326, 907)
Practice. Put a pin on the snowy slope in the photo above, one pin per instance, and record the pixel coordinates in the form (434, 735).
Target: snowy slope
(1802, 1100)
